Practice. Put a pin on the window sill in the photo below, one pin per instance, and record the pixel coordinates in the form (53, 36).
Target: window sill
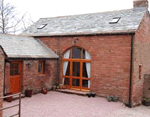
(40, 74)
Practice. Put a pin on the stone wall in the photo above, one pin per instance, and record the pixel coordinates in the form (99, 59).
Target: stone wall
(7, 76)
(110, 63)
(111, 56)
(30, 76)
(2, 60)
(146, 87)
(141, 57)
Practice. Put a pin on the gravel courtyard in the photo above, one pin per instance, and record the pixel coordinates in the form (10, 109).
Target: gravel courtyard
(56, 104)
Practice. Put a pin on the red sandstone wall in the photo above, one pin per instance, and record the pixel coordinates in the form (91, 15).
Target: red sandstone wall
(2, 60)
(31, 77)
(146, 87)
(110, 64)
(141, 56)
(7, 75)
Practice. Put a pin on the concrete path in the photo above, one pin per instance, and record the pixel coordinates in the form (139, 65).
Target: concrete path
(56, 104)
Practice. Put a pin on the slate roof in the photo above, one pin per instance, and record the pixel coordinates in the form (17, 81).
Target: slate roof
(25, 47)
(94, 23)
(3, 51)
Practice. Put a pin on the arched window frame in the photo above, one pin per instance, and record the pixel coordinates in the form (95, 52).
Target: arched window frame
(68, 59)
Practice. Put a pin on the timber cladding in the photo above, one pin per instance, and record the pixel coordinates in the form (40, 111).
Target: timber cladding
(110, 60)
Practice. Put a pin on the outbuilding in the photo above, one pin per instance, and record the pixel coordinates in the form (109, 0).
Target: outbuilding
(30, 64)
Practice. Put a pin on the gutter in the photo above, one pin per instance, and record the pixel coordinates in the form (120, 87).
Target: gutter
(21, 58)
(130, 80)
(82, 34)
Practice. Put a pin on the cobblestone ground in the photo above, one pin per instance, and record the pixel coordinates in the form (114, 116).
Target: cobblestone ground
(56, 104)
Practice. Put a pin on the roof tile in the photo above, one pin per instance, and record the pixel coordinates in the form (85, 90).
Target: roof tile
(25, 47)
(88, 23)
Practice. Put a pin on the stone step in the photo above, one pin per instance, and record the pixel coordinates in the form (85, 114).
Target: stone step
(82, 93)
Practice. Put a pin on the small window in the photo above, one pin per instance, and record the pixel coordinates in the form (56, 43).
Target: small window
(115, 20)
(41, 26)
(41, 67)
(140, 71)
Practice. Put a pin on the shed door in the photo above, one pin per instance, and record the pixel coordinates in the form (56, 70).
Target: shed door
(15, 77)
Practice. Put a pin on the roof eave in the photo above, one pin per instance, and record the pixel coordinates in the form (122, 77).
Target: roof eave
(30, 58)
(6, 56)
(132, 31)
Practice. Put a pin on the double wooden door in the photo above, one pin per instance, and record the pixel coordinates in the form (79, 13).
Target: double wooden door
(15, 77)
(76, 74)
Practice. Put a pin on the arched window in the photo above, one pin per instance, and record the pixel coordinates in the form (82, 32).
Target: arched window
(76, 68)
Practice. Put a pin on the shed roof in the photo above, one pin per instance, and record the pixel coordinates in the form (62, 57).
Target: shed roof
(25, 47)
(93, 23)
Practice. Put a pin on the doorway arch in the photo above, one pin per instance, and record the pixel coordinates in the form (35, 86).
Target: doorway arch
(76, 68)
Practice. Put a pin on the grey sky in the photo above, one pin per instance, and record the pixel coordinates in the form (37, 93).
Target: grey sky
(52, 8)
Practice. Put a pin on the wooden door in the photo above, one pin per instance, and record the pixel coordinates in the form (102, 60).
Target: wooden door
(15, 77)
(76, 75)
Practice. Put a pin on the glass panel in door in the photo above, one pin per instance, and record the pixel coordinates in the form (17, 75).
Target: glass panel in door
(76, 69)
(84, 83)
(66, 81)
(84, 70)
(76, 74)
(14, 69)
(76, 82)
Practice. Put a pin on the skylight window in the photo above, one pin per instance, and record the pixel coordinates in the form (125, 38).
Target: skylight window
(115, 20)
(41, 26)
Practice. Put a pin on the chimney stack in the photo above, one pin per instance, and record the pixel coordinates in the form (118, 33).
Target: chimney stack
(140, 3)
